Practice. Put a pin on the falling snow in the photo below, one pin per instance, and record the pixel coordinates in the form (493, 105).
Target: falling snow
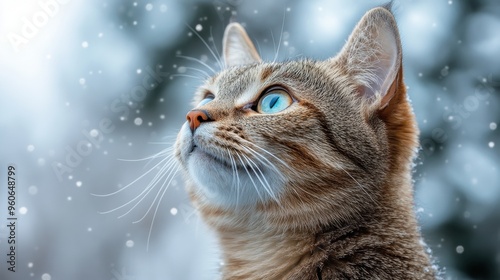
(94, 133)
(23, 210)
(138, 121)
(448, 81)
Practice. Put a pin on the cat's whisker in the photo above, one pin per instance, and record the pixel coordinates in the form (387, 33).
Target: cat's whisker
(146, 190)
(270, 164)
(258, 47)
(232, 166)
(163, 171)
(158, 206)
(198, 61)
(215, 48)
(360, 186)
(281, 38)
(267, 163)
(166, 153)
(187, 76)
(204, 73)
(157, 155)
(267, 152)
(250, 177)
(168, 175)
(235, 176)
(261, 178)
(217, 58)
(274, 46)
(133, 182)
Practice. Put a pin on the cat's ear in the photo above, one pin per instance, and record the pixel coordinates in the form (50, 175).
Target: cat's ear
(372, 57)
(237, 47)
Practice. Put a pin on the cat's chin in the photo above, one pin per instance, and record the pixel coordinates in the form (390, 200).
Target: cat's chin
(225, 186)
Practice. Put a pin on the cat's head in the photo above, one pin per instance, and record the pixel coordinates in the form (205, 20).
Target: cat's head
(306, 139)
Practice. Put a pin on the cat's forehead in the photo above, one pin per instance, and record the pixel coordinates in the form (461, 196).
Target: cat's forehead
(241, 84)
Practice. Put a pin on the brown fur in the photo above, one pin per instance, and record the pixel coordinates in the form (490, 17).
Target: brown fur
(344, 154)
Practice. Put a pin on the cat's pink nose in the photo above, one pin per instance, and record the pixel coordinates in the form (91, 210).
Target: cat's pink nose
(196, 117)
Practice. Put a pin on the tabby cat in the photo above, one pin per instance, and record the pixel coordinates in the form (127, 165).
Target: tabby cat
(303, 168)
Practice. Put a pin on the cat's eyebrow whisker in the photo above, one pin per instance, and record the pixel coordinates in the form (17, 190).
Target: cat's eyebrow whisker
(133, 182)
(362, 188)
(221, 65)
(204, 73)
(198, 61)
(215, 48)
(274, 46)
(250, 177)
(281, 38)
(187, 76)
(158, 206)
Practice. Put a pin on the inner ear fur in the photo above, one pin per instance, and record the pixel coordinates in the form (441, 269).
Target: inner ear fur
(237, 48)
(372, 58)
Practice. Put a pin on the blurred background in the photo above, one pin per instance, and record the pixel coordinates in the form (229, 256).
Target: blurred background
(89, 87)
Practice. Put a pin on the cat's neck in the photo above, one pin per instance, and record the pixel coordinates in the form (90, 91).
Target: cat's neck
(260, 254)
(253, 249)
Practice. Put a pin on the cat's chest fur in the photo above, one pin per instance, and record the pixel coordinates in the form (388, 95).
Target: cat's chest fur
(303, 168)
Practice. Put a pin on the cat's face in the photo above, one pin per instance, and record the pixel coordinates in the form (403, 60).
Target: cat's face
(293, 134)
(272, 125)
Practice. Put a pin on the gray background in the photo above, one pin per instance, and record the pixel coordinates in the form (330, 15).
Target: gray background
(87, 59)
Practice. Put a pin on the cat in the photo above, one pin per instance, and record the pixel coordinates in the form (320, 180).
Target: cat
(303, 168)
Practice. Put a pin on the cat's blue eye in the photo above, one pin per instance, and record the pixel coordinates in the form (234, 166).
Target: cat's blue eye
(274, 101)
(206, 100)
